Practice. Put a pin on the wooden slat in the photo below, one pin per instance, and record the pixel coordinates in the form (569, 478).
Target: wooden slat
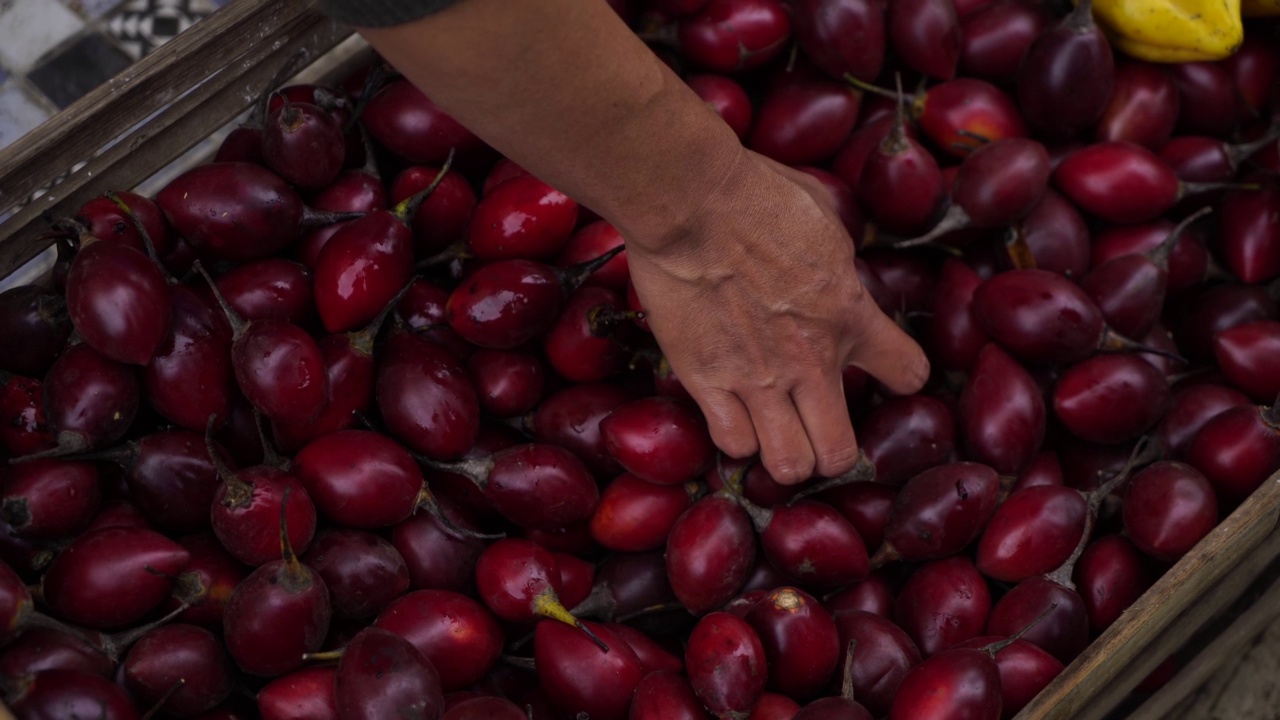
(1226, 646)
(1078, 689)
(207, 78)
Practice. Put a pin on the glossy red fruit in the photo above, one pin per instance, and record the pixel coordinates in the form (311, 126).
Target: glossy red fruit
(39, 316)
(23, 429)
(1143, 108)
(505, 304)
(113, 577)
(49, 499)
(1189, 409)
(1025, 670)
(953, 333)
(1249, 238)
(659, 439)
(1247, 355)
(941, 510)
(995, 36)
(1110, 399)
(1119, 182)
(103, 219)
(521, 218)
(579, 677)
(382, 675)
(1039, 316)
(901, 185)
(72, 694)
(185, 656)
(118, 302)
(1063, 631)
(635, 515)
(482, 708)
(799, 640)
(277, 614)
(246, 507)
(926, 34)
(1001, 412)
(457, 634)
(359, 479)
(214, 574)
(38, 649)
(1206, 312)
(436, 559)
(956, 683)
(728, 36)
(308, 693)
(584, 344)
(362, 571)
(405, 121)
(1054, 235)
(726, 664)
(1187, 261)
(882, 658)
(304, 144)
(709, 553)
(666, 696)
(361, 268)
(592, 241)
(727, 98)
(443, 217)
(570, 418)
(1110, 575)
(235, 211)
(1208, 98)
(907, 435)
(426, 398)
(811, 543)
(943, 603)
(1048, 91)
(1168, 508)
(536, 486)
(89, 400)
(842, 37)
(1033, 532)
(804, 123)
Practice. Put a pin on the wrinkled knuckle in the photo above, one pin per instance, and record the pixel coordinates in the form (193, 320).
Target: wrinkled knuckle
(791, 469)
(835, 461)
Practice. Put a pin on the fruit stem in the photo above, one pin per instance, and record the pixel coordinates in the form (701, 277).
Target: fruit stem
(373, 82)
(651, 609)
(895, 143)
(884, 555)
(1081, 18)
(1237, 154)
(142, 233)
(1186, 189)
(602, 319)
(427, 501)
(29, 617)
(125, 455)
(1271, 415)
(599, 605)
(271, 457)
(175, 687)
(868, 87)
(409, 206)
(362, 340)
(520, 662)
(547, 604)
(1018, 250)
(1160, 254)
(286, 71)
(326, 656)
(236, 322)
(312, 218)
(999, 645)
(760, 517)
(115, 646)
(456, 251)
(1115, 342)
(475, 469)
(862, 471)
(954, 219)
(239, 493)
(572, 277)
(846, 684)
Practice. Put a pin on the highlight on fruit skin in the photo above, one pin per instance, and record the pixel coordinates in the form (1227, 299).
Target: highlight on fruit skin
(1177, 31)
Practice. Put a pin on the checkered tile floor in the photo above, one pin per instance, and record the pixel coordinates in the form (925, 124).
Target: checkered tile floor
(52, 52)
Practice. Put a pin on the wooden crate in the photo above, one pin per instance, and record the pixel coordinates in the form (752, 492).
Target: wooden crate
(148, 122)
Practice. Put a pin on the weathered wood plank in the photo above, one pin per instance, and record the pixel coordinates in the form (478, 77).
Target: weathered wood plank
(1079, 689)
(219, 94)
(1226, 646)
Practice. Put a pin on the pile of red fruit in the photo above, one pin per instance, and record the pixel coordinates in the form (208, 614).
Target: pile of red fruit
(324, 435)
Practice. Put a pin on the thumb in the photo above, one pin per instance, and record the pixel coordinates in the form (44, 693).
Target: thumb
(885, 351)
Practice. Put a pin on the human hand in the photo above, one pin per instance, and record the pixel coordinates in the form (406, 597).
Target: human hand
(758, 308)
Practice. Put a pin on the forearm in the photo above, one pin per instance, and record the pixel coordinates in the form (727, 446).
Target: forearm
(566, 90)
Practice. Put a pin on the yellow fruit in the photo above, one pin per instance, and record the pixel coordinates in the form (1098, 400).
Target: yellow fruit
(1171, 31)
(1259, 8)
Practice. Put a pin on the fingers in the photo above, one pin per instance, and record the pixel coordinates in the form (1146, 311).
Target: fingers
(729, 423)
(888, 353)
(825, 417)
(784, 444)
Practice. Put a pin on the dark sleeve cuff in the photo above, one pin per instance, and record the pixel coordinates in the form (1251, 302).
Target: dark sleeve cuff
(381, 13)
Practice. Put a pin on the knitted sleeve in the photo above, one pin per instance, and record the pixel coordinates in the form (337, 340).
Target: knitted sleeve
(381, 13)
